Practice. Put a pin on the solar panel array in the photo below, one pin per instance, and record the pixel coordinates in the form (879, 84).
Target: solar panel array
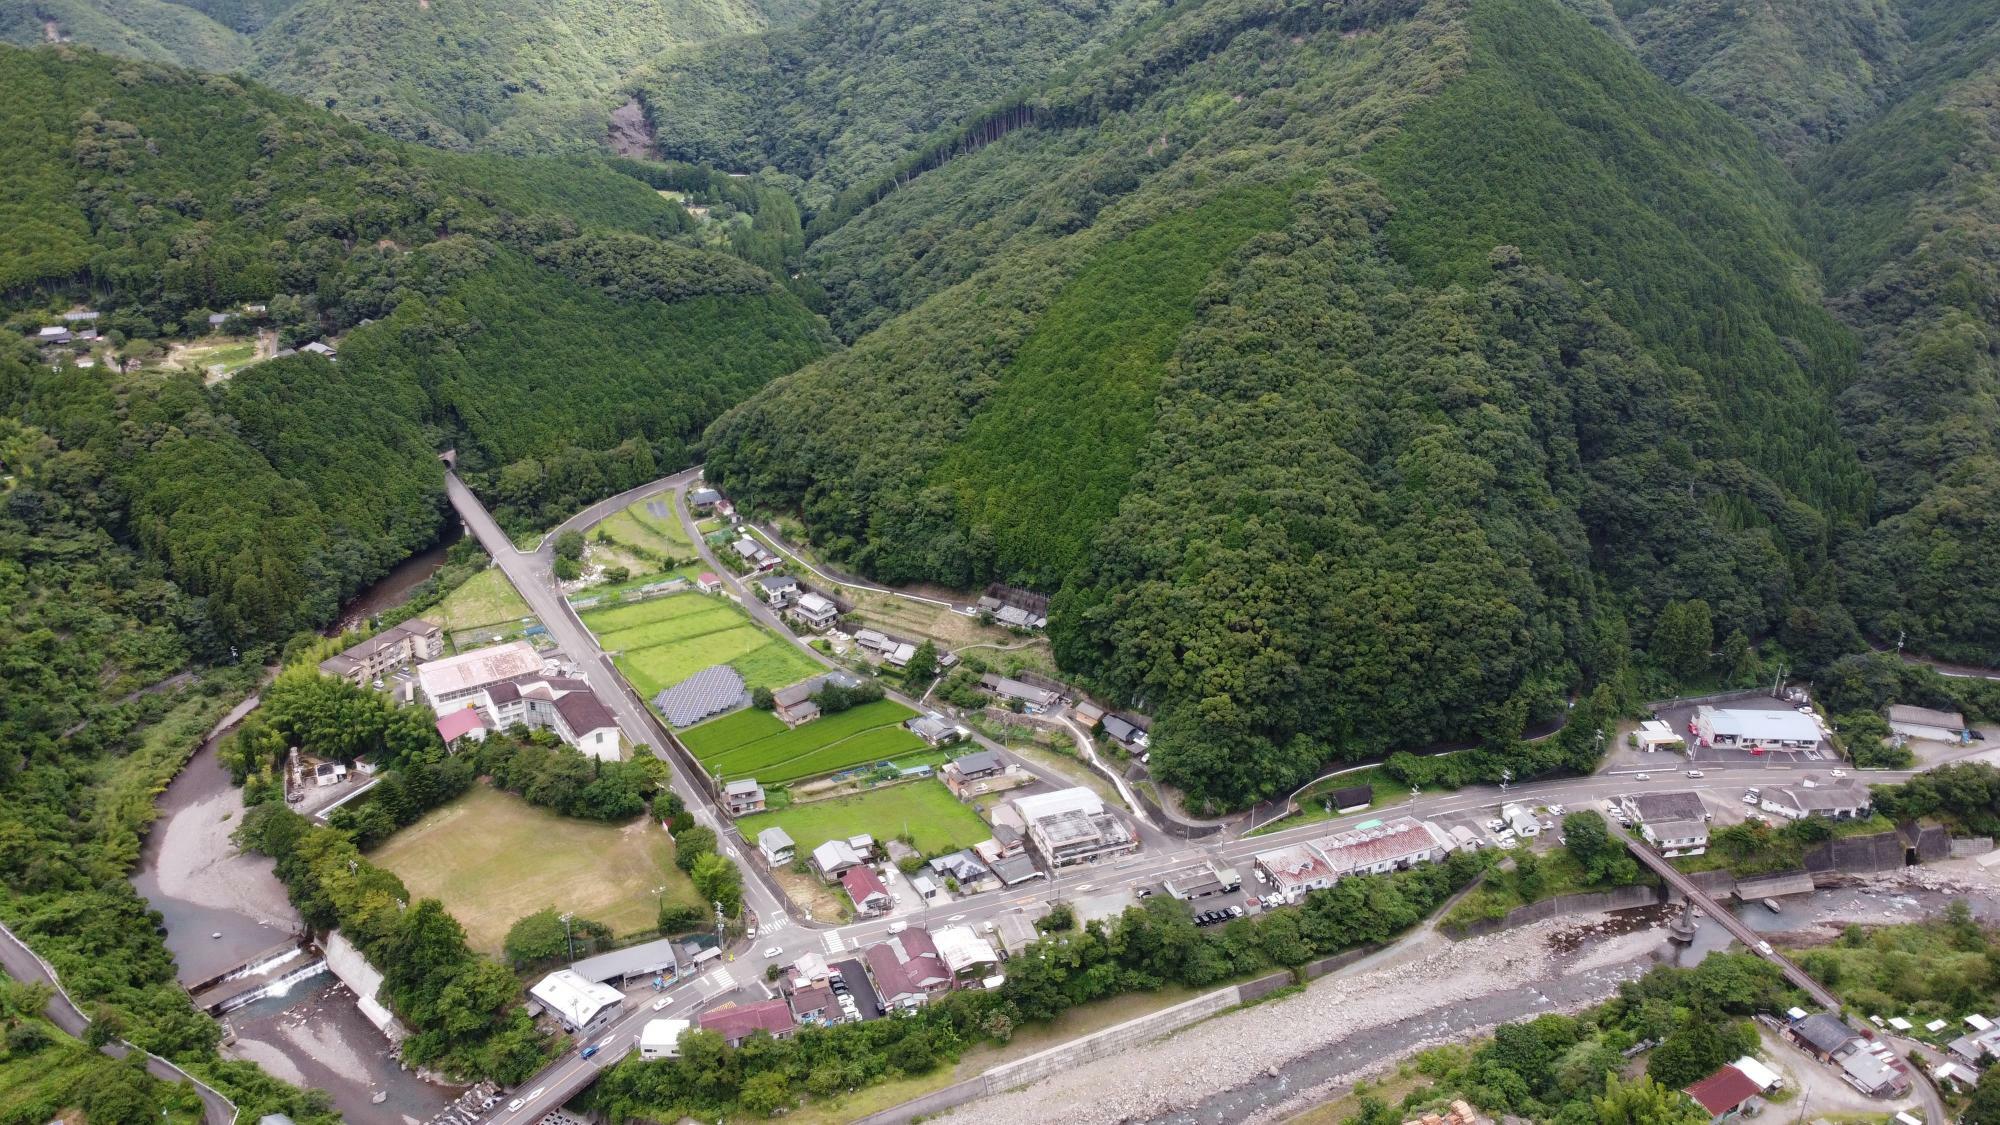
(710, 691)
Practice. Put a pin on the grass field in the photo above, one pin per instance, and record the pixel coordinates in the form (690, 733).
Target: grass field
(741, 745)
(487, 598)
(926, 809)
(492, 857)
(637, 527)
(664, 641)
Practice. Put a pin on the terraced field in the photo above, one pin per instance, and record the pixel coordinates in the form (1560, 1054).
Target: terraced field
(755, 744)
(664, 641)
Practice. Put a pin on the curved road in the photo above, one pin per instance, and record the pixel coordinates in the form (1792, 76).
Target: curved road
(24, 964)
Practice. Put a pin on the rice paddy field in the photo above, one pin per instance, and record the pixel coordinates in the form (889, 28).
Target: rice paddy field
(652, 525)
(756, 744)
(661, 642)
(934, 819)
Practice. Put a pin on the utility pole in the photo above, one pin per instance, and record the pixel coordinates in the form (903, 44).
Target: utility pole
(720, 918)
(567, 941)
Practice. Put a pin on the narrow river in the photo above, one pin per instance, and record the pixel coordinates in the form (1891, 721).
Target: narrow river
(222, 907)
(395, 587)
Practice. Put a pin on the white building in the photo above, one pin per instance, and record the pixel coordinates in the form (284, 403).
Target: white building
(1924, 723)
(965, 953)
(1655, 734)
(1843, 801)
(1757, 731)
(1521, 819)
(584, 1006)
(777, 846)
(1072, 826)
(661, 1039)
(444, 682)
(815, 612)
(1378, 849)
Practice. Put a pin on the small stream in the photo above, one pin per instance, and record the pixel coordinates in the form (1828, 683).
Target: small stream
(395, 587)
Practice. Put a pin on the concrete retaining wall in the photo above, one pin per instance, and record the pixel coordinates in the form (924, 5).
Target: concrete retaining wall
(1970, 846)
(1619, 898)
(1883, 851)
(1771, 886)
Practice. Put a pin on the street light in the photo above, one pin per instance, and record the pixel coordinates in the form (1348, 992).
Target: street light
(566, 938)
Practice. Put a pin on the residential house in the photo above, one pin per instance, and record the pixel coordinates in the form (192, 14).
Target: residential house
(863, 845)
(906, 970)
(1087, 713)
(833, 857)
(794, 704)
(661, 1039)
(1675, 823)
(933, 729)
(1822, 1035)
(53, 334)
(1013, 870)
(780, 590)
(1016, 932)
(1839, 801)
(1201, 881)
(1955, 1075)
(813, 1003)
(583, 1006)
(973, 773)
(462, 723)
(1757, 731)
(883, 648)
(1009, 840)
(702, 499)
(962, 868)
(1924, 723)
(738, 1023)
(1034, 699)
(412, 642)
(926, 887)
(815, 611)
(1875, 1072)
(777, 846)
(319, 349)
(329, 773)
(1126, 730)
(865, 890)
(743, 797)
(217, 320)
(1727, 1094)
(753, 554)
(966, 955)
(708, 582)
(1072, 826)
(653, 959)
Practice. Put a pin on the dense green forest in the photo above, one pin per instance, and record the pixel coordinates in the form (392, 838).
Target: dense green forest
(1355, 379)
(849, 92)
(497, 75)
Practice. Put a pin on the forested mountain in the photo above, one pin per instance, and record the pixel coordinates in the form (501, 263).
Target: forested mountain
(497, 75)
(531, 314)
(850, 92)
(1367, 378)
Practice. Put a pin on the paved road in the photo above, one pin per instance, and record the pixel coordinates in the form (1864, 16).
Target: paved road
(530, 574)
(23, 964)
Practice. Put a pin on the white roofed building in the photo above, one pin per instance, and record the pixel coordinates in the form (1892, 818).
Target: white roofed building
(469, 674)
(1378, 849)
(965, 953)
(661, 1039)
(1757, 731)
(1072, 826)
(582, 1005)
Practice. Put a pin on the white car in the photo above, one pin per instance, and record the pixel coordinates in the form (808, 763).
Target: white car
(660, 1005)
(774, 952)
(1505, 842)
(1495, 825)
(1643, 777)
(513, 1105)
(898, 927)
(1840, 773)
(1694, 773)
(1764, 947)
(1555, 810)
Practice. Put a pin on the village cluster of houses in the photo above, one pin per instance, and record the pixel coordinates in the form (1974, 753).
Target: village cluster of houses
(1867, 1064)
(1676, 822)
(486, 689)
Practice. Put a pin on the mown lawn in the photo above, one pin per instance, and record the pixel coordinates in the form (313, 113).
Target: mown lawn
(665, 640)
(492, 857)
(935, 819)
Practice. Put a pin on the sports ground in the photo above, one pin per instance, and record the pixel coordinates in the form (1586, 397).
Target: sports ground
(661, 642)
(756, 744)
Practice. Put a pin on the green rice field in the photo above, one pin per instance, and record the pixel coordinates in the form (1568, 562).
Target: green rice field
(664, 641)
(935, 820)
(756, 744)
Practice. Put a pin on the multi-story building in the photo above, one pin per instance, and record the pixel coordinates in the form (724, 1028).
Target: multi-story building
(1071, 826)
(412, 642)
(1375, 850)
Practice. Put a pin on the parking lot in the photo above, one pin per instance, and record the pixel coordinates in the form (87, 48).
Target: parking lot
(856, 982)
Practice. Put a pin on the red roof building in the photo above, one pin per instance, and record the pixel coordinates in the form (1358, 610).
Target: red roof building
(865, 888)
(741, 1022)
(454, 725)
(1724, 1092)
(907, 969)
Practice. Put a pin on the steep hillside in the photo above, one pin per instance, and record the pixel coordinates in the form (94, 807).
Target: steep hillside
(497, 75)
(1798, 72)
(534, 314)
(1356, 378)
(1910, 233)
(850, 92)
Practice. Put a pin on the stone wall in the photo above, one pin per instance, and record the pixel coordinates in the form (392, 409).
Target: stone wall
(1619, 898)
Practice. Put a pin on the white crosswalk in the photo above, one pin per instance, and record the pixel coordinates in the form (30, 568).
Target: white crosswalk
(715, 982)
(833, 942)
(772, 923)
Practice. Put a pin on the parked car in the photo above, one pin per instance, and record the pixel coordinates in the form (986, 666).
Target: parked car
(1236, 912)
(1144, 892)
(1555, 810)
(1495, 825)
